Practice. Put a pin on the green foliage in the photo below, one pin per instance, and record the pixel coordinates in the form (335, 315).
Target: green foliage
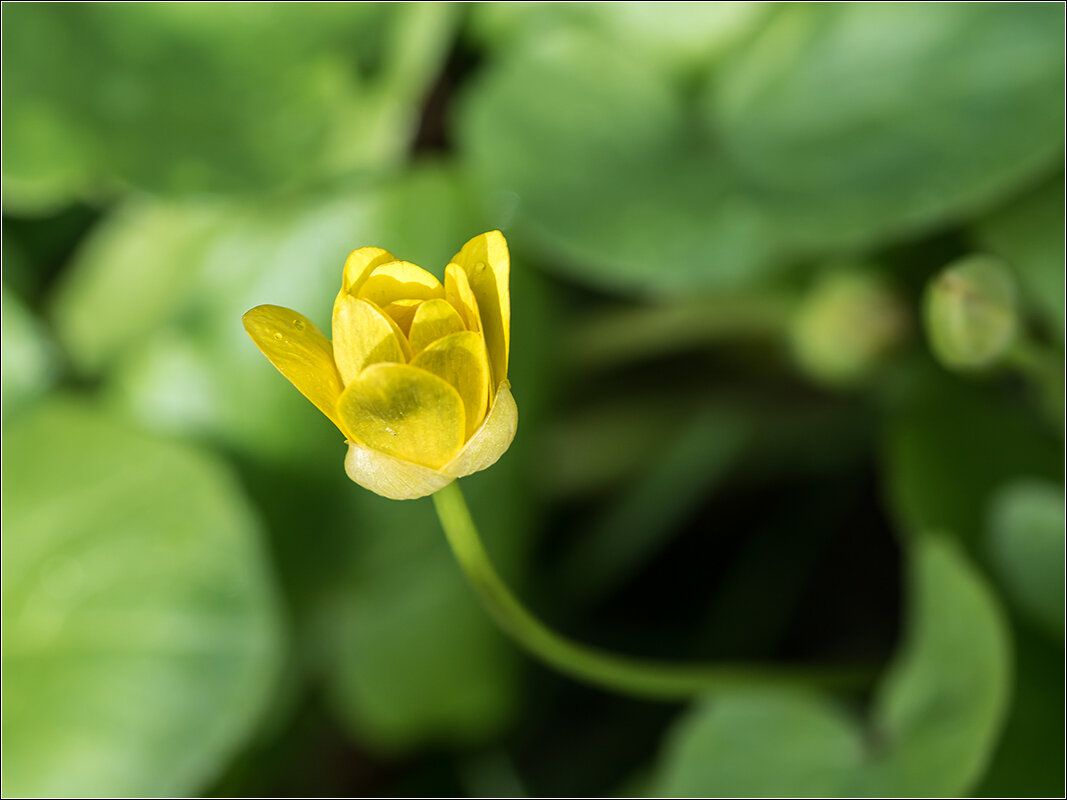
(948, 446)
(141, 630)
(286, 85)
(722, 219)
(934, 719)
(414, 659)
(855, 122)
(171, 334)
(1026, 233)
(675, 222)
(28, 365)
(1026, 549)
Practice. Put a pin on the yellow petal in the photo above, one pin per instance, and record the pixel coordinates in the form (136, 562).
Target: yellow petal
(491, 440)
(301, 353)
(390, 477)
(460, 359)
(404, 412)
(359, 265)
(400, 280)
(434, 320)
(487, 264)
(363, 335)
(402, 312)
(459, 293)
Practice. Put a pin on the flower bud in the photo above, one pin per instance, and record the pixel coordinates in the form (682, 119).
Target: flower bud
(970, 313)
(846, 324)
(416, 374)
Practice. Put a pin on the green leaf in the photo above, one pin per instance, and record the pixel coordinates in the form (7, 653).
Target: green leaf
(751, 743)
(939, 708)
(188, 97)
(28, 365)
(676, 36)
(1025, 543)
(1026, 233)
(140, 628)
(852, 123)
(935, 718)
(949, 443)
(415, 660)
(592, 150)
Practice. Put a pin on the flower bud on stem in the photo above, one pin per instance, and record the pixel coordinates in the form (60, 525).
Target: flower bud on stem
(644, 678)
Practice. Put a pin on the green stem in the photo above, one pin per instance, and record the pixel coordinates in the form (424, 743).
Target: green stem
(646, 678)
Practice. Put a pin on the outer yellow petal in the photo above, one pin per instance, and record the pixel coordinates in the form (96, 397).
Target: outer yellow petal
(404, 412)
(461, 360)
(390, 477)
(403, 480)
(400, 280)
(434, 320)
(486, 262)
(491, 440)
(359, 265)
(363, 335)
(301, 353)
(459, 293)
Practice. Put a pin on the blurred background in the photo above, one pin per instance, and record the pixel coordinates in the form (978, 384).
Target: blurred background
(788, 310)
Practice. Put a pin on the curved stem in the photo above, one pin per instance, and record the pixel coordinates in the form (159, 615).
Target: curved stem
(647, 678)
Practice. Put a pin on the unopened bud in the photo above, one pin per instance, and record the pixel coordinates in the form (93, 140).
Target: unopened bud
(970, 313)
(846, 324)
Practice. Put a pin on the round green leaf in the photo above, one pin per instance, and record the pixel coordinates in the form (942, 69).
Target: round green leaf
(592, 151)
(140, 631)
(853, 122)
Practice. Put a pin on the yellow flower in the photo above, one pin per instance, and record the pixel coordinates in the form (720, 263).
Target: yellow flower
(416, 375)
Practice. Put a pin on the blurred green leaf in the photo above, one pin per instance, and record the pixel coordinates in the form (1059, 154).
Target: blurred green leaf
(155, 298)
(676, 36)
(415, 659)
(28, 365)
(949, 443)
(137, 270)
(935, 719)
(1027, 233)
(855, 122)
(185, 97)
(938, 710)
(1026, 549)
(141, 636)
(593, 150)
(750, 743)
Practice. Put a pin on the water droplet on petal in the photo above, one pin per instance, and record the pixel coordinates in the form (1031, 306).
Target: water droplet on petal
(278, 335)
(298, 324)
